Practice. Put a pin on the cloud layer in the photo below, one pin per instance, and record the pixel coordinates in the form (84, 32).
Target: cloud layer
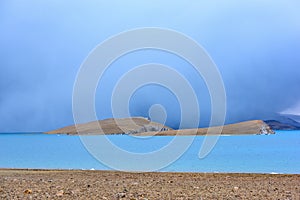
(255, 44)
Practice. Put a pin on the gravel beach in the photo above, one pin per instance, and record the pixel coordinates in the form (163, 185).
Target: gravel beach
(74, 184)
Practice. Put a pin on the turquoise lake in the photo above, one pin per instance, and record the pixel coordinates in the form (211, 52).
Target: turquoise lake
(278, 153)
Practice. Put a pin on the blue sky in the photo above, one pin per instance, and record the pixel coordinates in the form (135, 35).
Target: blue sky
(255, 45)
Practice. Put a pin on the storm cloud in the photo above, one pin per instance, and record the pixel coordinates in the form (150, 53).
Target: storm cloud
(255, 45)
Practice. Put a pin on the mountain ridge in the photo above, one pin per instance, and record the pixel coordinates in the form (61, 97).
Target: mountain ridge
(143, 127)
(284, 122)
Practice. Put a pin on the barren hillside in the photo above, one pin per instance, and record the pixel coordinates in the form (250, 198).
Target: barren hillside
(142, 126)
(113, 126)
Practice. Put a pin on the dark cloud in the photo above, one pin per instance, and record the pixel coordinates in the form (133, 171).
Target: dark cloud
(255, 45)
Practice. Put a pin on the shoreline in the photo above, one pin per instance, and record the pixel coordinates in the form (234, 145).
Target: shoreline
(101, 184)
(140, 172)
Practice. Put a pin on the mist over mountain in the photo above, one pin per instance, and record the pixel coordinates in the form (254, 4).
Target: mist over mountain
(293, 117)
(284, 122)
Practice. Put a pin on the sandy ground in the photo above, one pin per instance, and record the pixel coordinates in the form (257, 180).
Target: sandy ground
(47, 184)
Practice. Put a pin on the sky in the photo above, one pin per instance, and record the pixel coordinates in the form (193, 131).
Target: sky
(255, 45)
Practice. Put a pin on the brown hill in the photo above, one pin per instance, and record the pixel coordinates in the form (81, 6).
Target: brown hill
(242, 128)
(113, 126)
(144, 127)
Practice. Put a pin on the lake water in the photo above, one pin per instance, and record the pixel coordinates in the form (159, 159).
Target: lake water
(277, 153)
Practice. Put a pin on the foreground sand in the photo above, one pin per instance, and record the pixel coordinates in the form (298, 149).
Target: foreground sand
(43, 184)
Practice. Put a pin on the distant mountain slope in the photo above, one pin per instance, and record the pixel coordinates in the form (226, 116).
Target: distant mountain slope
(145, 127)
(276, 125)
(284, 122)
(293, 117)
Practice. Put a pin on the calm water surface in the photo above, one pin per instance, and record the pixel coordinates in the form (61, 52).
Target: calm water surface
(277, 153)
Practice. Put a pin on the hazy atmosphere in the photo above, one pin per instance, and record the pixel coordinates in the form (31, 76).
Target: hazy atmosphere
(255, 45)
